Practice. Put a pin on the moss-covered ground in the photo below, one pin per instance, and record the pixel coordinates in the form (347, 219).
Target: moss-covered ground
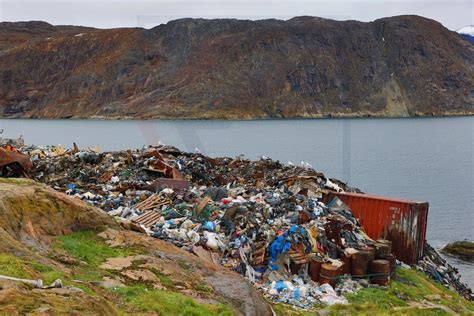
(460, 249)
(90, 252)
(410, 293)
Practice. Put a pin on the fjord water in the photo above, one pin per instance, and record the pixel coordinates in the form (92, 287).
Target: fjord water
(429, 159)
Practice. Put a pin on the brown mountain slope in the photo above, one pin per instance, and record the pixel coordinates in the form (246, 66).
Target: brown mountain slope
(196, 68)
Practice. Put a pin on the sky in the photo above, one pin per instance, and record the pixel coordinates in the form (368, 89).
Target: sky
(453, 14)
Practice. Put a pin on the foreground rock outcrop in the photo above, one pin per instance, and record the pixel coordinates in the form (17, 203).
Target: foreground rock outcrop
(196, 68)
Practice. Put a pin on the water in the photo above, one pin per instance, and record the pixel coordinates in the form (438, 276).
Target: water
(422, 159)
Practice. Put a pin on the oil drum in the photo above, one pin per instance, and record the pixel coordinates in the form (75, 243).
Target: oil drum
(329, 273)
(315, 268)
(393, 264)
(346, 259)
(359, 262)
(387, 242)
(370, 250)
(382, 248)
(381, 270)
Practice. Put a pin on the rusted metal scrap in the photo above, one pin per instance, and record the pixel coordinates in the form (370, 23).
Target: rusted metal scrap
(13, 163)
(162, 183)
(172, 177)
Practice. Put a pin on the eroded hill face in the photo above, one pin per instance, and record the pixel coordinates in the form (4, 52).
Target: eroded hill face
(196, 68)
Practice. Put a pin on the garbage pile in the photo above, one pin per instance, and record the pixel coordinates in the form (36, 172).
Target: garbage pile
(262, 219)
(438, 269)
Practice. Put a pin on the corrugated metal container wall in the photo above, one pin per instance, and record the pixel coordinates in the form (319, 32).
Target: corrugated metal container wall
(401, 221)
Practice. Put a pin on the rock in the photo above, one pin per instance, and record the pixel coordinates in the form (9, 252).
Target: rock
(32, 213)
(118, 263)
(227, 285)
(19, 299)
(142, 275)
(433, 297)
(462, 249)
(109, 283)
(42, 310)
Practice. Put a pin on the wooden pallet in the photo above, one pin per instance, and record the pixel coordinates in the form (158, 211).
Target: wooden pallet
(152, 202)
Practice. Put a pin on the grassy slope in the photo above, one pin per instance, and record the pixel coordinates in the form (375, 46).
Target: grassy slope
(411, 293)
(90, 252)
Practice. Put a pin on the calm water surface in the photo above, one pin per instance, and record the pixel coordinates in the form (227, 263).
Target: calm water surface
(423, 159)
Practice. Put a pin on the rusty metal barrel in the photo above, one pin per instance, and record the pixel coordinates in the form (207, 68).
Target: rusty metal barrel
(359, 262)
(387, 242)
(382, 248)
(381, 272)
(392, 263)
(370, 250)
(329, 273)
(346, 259)
(315, 268)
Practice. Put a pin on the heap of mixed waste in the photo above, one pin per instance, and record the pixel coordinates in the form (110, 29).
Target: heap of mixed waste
(262, 219)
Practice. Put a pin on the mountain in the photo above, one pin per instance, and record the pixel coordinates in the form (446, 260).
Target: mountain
(227, 68)
(467, 32)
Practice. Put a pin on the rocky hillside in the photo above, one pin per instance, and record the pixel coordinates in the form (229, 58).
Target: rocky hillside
(196, 68)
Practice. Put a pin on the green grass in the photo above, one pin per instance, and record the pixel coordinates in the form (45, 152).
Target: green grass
(48, 274)
(287, 310)
(410, 287)
(91, 249)
(164, 279)
(13, 267)
(203, 289)
(168, 303)
(371, 309)
(88, 273)
(87, 247)
(380, 298)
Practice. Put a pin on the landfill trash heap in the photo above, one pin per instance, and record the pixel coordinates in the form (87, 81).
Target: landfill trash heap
(262, 219)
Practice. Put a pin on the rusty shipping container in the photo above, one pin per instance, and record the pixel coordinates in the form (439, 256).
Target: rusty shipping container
(403, 222)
